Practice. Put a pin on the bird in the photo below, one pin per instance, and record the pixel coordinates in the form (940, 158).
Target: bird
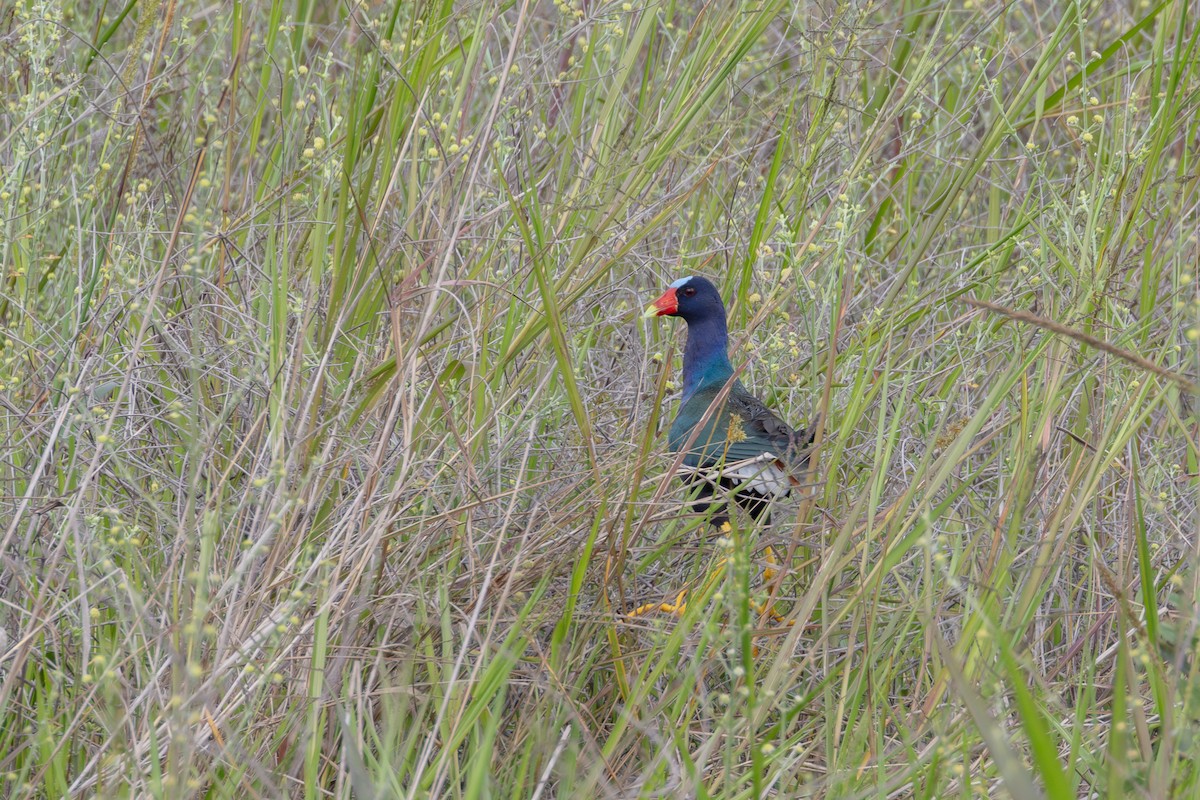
(733, 444)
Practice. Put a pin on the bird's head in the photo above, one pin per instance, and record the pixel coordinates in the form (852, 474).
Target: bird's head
(693, 298)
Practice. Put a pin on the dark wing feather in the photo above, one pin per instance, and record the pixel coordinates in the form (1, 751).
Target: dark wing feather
(767, 433)
(742, 429)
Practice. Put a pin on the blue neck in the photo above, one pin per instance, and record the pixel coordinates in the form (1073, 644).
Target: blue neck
(706, 357)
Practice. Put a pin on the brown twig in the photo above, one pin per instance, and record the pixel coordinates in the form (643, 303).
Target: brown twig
(1088, 339)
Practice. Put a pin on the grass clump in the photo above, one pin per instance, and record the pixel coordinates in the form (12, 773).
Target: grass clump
(331, 462)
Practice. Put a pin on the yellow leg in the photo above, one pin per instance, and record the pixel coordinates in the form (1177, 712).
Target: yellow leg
(769, 572)
(769, 556)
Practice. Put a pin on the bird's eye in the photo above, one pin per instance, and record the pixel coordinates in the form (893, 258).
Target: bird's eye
(689, 292)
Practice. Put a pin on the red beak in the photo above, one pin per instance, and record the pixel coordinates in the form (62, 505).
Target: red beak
(663, 306)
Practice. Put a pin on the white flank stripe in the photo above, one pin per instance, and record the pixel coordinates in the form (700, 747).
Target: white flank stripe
(760, 475)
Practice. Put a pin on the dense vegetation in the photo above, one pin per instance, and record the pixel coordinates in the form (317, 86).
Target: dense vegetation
(332, 434)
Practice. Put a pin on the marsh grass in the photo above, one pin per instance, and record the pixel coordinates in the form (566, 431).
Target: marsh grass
(331, 429)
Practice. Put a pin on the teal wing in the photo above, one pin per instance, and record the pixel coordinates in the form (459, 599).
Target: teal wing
(741, 429)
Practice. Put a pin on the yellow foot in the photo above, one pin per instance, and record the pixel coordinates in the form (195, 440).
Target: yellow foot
(677, 608)
(768, 610)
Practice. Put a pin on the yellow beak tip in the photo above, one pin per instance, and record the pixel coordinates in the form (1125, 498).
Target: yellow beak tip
(651, 311)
